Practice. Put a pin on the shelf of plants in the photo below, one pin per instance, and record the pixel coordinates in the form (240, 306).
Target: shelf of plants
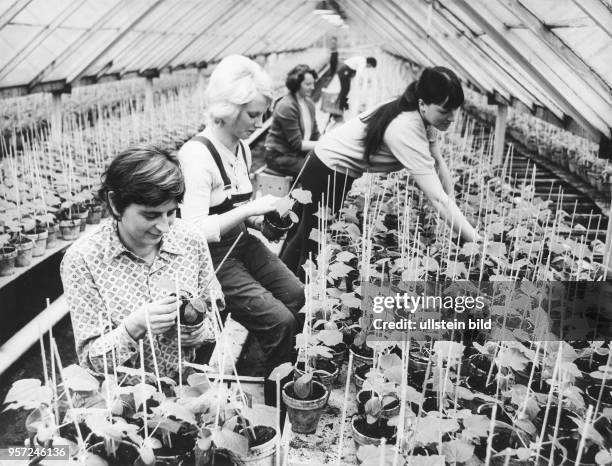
(48, 185)
(516, 394)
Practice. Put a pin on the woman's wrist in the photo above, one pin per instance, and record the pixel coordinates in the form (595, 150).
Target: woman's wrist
(133, 328)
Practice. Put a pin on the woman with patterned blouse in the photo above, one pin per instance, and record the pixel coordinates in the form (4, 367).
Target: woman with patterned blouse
(123, 274)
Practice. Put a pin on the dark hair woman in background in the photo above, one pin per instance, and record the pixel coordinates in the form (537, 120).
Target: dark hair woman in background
(294, 130)
(400, 134)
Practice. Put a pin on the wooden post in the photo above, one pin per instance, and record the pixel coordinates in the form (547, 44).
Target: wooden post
(56, 116)
(149, 94)
(500, 133)
(149, 74)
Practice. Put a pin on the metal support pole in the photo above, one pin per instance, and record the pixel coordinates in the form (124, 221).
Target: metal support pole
(500, 133)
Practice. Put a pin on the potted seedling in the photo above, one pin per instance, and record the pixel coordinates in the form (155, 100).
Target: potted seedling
(8, 254)
(372, 426)
(37, 233)
(25, 248)
(279, 221)
(305, 399)
(94, 211)
(69, 221)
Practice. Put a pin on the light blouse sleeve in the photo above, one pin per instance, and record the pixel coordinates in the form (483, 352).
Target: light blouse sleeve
(407, 140)
(197, 169)
(86, 307)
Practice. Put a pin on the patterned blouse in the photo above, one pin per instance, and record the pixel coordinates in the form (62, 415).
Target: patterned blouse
(103, 278)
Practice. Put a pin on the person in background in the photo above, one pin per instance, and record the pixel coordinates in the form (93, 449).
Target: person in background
(347, 71)
(400, 134)
(260, 292)
(294, 130)
(120, 277)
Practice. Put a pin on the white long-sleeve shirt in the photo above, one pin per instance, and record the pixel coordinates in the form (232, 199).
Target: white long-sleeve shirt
(203, 183)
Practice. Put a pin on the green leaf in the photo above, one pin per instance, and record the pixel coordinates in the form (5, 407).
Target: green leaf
(170, 408)
(230, 441)
(281, 371)
(283, 205)
(302, 196)
(79, 379)
(329, 337)
(302, 387)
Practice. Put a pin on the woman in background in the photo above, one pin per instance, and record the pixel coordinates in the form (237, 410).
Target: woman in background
(294, 130)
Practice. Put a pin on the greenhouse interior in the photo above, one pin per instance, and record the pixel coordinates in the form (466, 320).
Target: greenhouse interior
(290, 232)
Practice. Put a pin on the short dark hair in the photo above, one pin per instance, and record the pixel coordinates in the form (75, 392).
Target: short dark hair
(296, 76)
(371, 61)
(143, 174)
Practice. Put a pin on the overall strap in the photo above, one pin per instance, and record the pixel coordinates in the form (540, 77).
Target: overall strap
(216, 157)
(246, 164)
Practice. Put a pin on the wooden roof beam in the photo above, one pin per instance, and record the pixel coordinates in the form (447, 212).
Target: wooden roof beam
(558, 47)
(223, 12)
(450, 51)
(23, 53)
(122, 33)
(410, 46)
(593, 124)
(69, 51)
(11, 13)
(598, 12)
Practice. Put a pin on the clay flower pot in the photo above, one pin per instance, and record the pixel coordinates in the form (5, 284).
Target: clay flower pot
(70, 229)
(365, 434)
(39, 237)
(305, 414)
(25, 248)
(262, 452)
(8, 254)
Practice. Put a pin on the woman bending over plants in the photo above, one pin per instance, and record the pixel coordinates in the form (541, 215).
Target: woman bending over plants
(122, 280)
(401, 134)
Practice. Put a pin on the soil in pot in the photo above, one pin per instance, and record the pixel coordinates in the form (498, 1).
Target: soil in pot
(479, 383)
(376, 430)
(481, 365)
(566, 424)
(592, 392)
(8, 254)
(362, 354)
(389, 408)
(274, 226)
(502, 438)
(324, 371)
(588, 453)
(359, 375)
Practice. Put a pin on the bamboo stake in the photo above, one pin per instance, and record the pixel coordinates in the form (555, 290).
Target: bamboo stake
(347, 385)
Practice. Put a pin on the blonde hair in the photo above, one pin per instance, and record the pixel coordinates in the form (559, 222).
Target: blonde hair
(236, 81)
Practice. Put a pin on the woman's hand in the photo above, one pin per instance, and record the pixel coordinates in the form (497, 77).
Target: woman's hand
(194, 335)
(262, 205)
(161, 317)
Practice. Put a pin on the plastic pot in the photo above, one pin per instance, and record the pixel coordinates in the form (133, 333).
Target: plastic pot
(274, 227)
(8, 254)
(70, 229)
(40, 242)
(305, 414)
